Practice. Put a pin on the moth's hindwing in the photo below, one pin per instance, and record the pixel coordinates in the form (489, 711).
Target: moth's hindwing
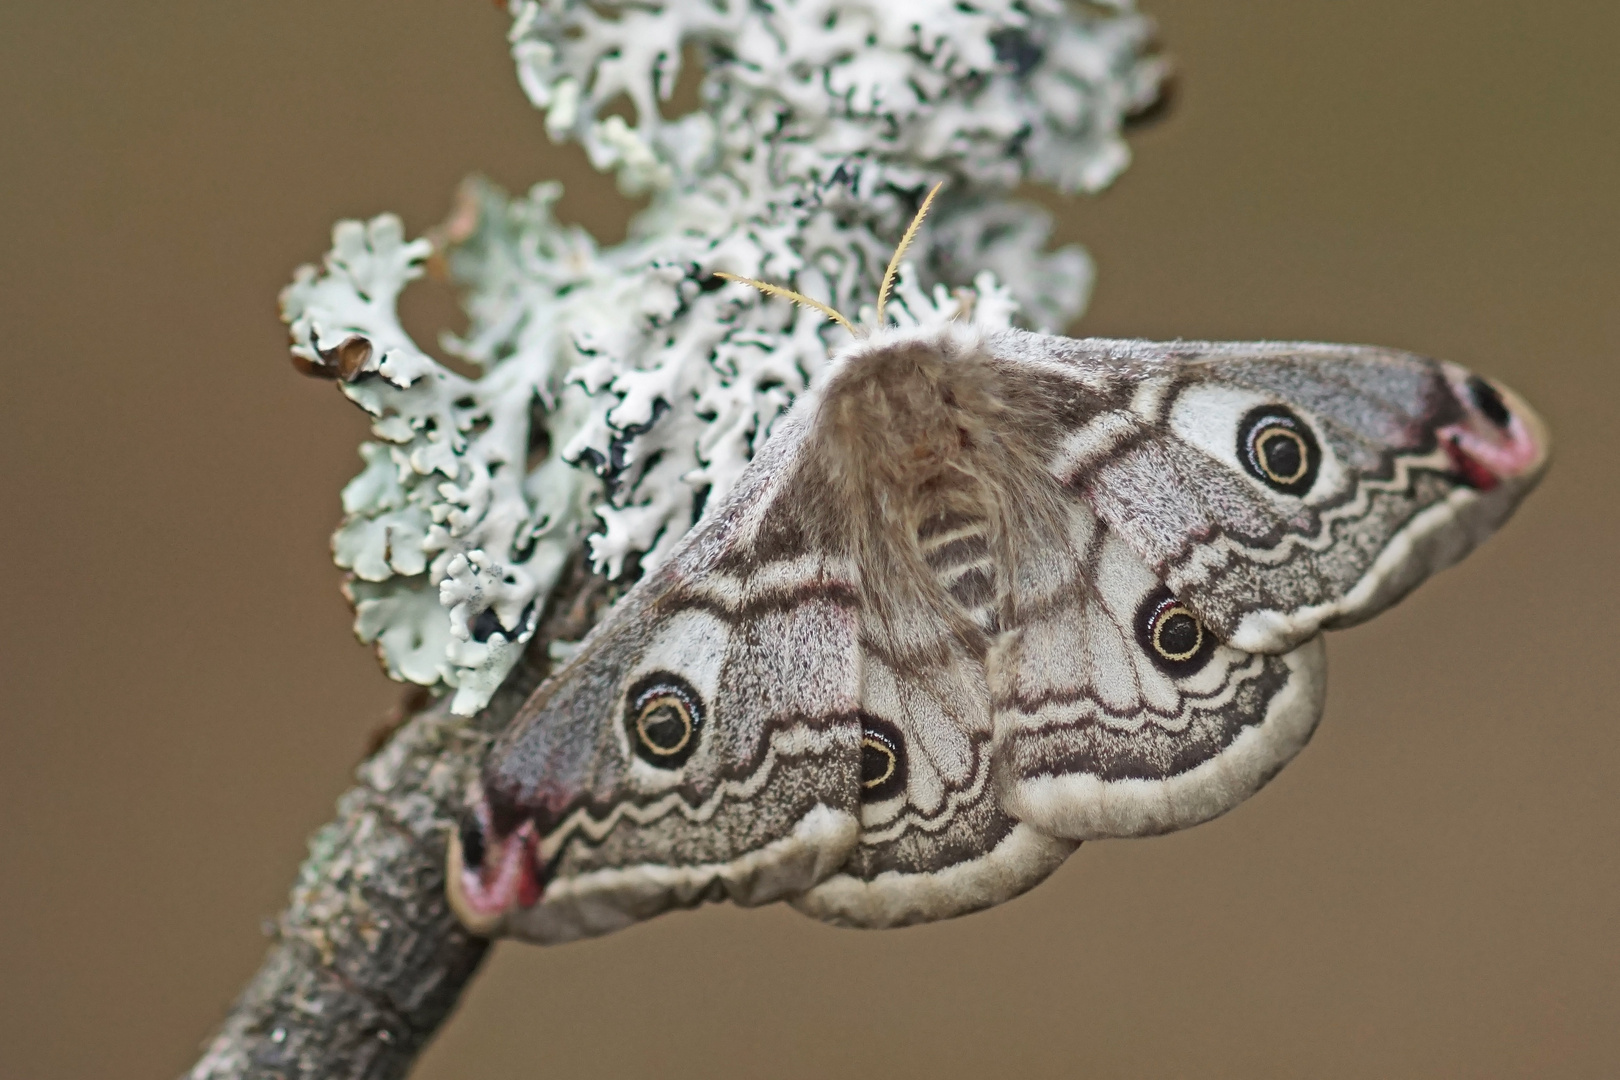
(976, 601)
(1159, 725)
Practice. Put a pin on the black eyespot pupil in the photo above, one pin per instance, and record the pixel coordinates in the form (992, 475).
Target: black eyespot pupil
(1488, 401)
(877, 762)
(1179, 635)
(883, 759)
(1172, 636)
(664, 727)
(471, 834)
(1281, 451)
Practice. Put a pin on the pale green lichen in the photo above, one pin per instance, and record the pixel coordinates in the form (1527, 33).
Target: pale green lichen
(618, 389)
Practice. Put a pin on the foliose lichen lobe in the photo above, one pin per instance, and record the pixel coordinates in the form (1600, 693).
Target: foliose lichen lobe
(618, 389)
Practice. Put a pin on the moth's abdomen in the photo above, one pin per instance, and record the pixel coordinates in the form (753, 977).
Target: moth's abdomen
(957, 549)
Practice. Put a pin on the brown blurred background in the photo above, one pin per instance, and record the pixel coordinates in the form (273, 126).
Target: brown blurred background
(1431, 889)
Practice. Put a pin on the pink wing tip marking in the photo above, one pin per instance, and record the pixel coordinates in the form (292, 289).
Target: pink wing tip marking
(1497, 439)
(504, 877)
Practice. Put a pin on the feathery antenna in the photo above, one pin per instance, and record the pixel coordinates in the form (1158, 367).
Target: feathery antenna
(883, 292)
(788, 294)
(899, 252)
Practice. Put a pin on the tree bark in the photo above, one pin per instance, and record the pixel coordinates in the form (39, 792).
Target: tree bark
(368, 960)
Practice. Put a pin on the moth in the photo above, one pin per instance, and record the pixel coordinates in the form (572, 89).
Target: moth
(981, 597)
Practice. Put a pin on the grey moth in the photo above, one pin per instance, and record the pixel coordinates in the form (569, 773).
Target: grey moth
(981, 597)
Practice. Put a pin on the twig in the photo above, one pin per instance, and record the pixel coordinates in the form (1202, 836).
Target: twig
(368, 960)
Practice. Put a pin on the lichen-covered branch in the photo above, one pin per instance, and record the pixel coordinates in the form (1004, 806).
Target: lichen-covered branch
(620, 390)
(367, 960)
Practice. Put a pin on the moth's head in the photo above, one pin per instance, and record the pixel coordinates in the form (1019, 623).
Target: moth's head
(493, 867)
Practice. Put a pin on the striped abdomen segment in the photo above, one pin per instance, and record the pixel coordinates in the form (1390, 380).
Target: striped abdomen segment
(957, 548)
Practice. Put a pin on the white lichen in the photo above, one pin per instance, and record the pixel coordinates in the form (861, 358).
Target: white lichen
(620, 389)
